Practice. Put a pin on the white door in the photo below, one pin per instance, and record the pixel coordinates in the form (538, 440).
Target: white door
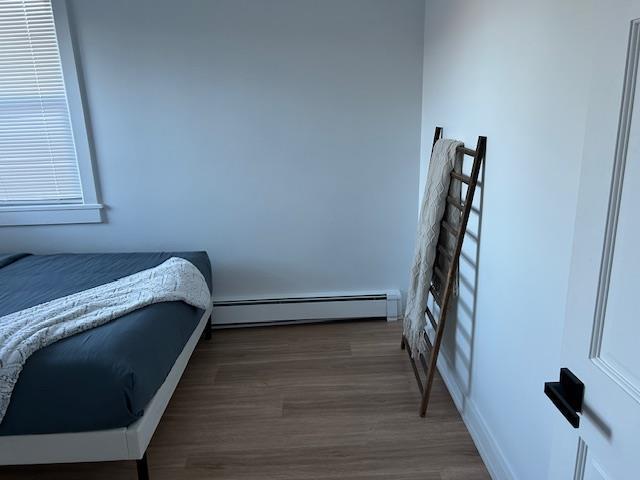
(601, 343)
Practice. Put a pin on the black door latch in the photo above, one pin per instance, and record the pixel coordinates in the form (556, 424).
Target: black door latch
(567, 395)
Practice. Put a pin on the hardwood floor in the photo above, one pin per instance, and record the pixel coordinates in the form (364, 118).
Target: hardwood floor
(323, 402)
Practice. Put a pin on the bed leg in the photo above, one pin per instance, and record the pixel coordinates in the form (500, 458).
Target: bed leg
(207, 335)
(143, 468)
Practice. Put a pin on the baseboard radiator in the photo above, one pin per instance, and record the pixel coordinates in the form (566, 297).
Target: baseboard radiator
(316, 308)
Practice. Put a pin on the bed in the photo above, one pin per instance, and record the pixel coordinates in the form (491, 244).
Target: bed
(98, 395)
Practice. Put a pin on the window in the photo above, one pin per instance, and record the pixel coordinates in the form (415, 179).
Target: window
(46, 174)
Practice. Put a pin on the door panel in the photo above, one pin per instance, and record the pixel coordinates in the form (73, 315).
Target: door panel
(613, 346)
(602, 326)
(616, 348)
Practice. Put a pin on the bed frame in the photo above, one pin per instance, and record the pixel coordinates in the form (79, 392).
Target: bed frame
(127, 443)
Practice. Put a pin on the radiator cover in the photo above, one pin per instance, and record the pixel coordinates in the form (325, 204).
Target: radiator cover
(312, 308)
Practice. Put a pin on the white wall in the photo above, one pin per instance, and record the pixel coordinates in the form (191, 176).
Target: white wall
(281, 136)
(516, 72)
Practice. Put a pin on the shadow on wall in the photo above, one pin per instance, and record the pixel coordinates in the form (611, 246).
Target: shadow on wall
(458, 341)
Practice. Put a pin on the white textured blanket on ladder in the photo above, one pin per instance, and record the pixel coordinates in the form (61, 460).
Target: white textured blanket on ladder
(443, 161)
(24, 332)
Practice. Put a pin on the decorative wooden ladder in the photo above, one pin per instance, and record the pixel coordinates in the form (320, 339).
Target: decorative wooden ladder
(442, 286)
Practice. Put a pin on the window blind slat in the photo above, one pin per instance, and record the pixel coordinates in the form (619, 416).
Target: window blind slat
(38, 162)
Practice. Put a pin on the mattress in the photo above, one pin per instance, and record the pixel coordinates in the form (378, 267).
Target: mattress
(102, 378)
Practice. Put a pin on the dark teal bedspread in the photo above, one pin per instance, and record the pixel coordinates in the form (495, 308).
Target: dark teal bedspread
(104, 377)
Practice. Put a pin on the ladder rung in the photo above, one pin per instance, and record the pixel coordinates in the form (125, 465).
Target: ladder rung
(423, 361)
(427, 340)
(439, 273)
(455, 203)
(436, 297)
(462, 177)
(445, 253)
(413, 365)
(467, 151)
(431, 318)
(450, 228)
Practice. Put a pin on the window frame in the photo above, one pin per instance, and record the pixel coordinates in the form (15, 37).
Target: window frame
(90, 210)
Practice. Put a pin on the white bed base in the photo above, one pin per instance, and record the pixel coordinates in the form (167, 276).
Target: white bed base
(128, 443)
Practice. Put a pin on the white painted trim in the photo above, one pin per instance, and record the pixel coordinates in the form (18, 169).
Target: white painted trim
(48, 208)
(581, 460)
(50, 214)
(75, 101)
(127, 443)
(319, 307)
(488, 447)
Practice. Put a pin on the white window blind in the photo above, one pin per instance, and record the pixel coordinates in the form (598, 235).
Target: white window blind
(38, 161)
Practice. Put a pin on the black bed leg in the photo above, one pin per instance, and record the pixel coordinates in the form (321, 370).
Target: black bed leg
(143, 468)
(209, 327)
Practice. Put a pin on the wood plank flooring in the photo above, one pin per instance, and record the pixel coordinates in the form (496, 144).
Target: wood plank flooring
(324, 402)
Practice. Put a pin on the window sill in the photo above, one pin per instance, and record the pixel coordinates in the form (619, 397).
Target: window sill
(50, 214)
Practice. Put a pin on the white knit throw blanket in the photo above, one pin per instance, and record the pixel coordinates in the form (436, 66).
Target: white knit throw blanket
(443, 160)
(23, 333)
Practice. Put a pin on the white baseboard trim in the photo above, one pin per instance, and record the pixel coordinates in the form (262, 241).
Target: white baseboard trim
(307, 308)
(489, 449)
